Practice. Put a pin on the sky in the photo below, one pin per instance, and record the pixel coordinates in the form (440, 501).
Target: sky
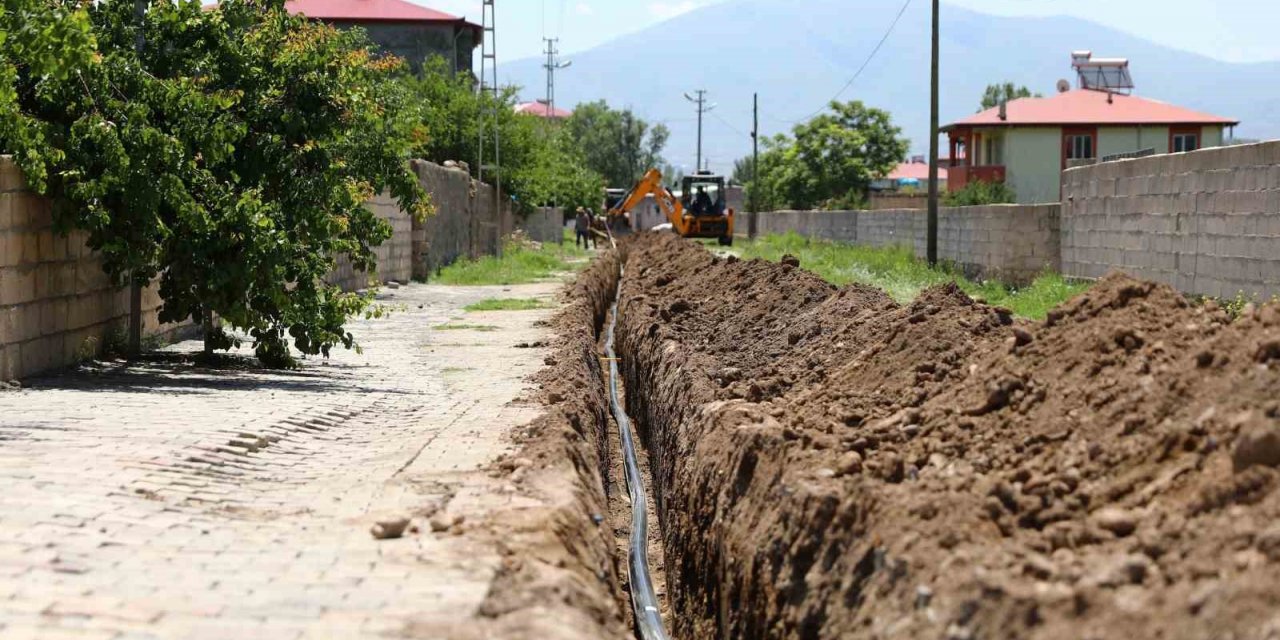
(1230, 30)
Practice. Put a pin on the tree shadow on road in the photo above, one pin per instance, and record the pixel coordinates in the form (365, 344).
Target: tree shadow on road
(189, 373)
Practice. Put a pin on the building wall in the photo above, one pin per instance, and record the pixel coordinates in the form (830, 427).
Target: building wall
(415, 42)
(1033, 163)
(1013, 243)
(1113, 140)
(1211, 136)
(1206, 222)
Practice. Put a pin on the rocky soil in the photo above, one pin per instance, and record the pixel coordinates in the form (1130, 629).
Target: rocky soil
(831, 464)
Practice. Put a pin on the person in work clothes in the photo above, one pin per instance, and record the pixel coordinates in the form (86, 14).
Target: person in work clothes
(582, 228)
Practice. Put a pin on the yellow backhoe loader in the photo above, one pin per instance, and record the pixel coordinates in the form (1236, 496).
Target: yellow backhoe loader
(700, 211)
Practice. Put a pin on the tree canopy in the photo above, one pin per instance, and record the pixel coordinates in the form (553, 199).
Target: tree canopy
(615, 143)
(828, 161)
(230, 156)
(540, 165)
(1004, 92)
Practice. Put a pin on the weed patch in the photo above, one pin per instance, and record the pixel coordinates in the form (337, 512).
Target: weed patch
(507, 304)
(902, 275)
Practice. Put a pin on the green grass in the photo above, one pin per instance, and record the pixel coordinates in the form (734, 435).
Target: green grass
(902, 275)
(507, 304)
(521, 263)
(462, 326)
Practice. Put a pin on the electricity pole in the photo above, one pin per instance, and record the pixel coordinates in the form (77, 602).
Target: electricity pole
(703, 107)
(135, 287)
(932, 231)
(489, 84)
(552, 65)
(755, 165)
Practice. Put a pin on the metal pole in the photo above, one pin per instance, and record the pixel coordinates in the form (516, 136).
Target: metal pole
(698, 166)
(135, 288)
(932, 232)
(755, 166)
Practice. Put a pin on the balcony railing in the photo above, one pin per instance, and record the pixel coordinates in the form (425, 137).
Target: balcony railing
(958, 177)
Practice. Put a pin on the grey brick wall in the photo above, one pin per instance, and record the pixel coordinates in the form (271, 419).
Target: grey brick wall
(1012, 243)
(1206, 222)
(395, 256)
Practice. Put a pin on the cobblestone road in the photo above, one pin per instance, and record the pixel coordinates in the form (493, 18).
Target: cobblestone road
(166, 501)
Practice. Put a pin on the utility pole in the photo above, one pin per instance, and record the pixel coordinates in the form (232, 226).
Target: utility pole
(489, 83)
(552, 65)
(703, 107)
(135, 287)
(932, 231)
(755, 166)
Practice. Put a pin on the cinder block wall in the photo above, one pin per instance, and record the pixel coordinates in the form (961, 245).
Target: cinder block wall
(395, 256)
(1206, 222)
(56, 304)
(544, 225)
(1013, 243)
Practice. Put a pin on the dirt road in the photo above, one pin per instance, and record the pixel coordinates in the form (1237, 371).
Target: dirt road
(169, 501)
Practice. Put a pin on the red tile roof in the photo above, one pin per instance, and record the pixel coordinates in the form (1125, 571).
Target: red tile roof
(1088, 107)
(542, 109)
(917, 171)
(368, 10)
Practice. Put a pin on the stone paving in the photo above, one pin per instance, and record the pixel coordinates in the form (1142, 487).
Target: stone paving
(167, 501)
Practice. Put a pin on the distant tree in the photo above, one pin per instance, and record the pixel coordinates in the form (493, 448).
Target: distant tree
(828, 162)
(1005, 92)
(835, 156)
(616, 143)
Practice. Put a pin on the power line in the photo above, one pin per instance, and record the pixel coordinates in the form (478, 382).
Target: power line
(865, 63)
(726, 123)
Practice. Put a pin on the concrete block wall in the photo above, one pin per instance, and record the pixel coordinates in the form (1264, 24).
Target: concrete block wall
(545, 224)
(56, 304)
(1013, 243)
(395, 255)
(465, 223)
(1206, 222)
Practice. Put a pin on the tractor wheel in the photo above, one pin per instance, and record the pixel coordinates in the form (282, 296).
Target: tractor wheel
(726, 241)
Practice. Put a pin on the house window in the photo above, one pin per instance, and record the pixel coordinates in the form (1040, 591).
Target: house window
(1079, 147)
(1183, 142)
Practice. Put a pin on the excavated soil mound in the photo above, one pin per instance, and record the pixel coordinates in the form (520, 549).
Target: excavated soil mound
(560, 574)
(832, 464)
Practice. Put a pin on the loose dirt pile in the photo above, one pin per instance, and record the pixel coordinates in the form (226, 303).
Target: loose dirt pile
(832, 464)
(560, 575)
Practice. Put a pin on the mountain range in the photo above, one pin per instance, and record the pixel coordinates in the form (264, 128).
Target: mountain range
(798, 55)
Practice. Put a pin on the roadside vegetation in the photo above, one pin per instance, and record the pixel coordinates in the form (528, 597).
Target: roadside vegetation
(520, 263)
(903, 276)
(507, 304)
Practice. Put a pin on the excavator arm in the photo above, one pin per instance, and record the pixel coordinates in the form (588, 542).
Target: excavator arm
(651, 184)
(682, 222)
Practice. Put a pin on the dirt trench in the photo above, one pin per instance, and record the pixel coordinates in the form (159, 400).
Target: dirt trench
(828, 463)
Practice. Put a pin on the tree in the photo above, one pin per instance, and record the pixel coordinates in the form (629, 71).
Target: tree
(541, 167)
(1006, 92)
(231, 157)
(828, 162)
(616, 143)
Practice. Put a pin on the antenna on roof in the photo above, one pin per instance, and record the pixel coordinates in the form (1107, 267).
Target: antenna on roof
(1102, 74)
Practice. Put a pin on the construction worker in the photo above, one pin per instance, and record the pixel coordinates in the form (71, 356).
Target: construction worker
(582, 228)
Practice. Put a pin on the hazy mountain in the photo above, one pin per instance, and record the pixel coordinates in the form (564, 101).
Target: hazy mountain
(798, 55)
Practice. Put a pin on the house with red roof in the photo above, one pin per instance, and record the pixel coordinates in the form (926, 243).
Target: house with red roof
(542, 109)
(912, 175)
(1027, 143)
(402, 28)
